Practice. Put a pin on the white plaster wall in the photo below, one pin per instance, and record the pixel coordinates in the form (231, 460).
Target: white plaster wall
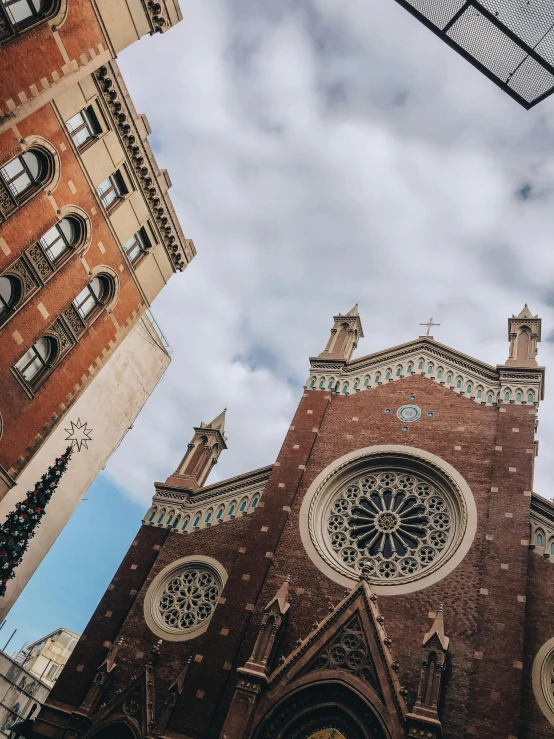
(109, 404)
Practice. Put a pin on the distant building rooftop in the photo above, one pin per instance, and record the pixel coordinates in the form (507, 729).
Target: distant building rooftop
(509, 41)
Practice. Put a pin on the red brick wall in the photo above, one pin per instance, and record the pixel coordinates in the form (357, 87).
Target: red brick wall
(25, 417)
(484, 618)
(34, 54)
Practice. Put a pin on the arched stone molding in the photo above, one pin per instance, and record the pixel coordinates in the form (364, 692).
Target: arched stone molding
(329, 480)
(60, 18)
(75, 211)
(104, 269)
(108, 729)
(38, 142)
(330, 696)
(542, 675)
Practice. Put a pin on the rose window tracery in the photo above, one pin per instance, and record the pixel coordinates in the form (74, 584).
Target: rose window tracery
(396, 523)
(187, 599)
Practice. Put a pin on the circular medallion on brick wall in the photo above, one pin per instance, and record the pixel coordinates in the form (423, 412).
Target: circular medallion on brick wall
(408, 413)
(401, 512)
(543, 679)
(182, 598)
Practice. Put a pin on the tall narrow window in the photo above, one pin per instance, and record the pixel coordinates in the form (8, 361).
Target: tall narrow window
(62, 237)
(24, 173)
(83, 127)
(112, 190)
(37, 360)
(92, 297)
(10, 291)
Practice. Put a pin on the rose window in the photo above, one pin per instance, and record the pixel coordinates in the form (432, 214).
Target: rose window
(187, 598)
(397, 524)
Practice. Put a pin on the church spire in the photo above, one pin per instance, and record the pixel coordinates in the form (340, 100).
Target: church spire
(524, 333)
(202, 454)
(345, 334)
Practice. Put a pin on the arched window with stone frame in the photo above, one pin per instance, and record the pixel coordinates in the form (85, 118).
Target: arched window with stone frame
(430, 368)
(312, 383)
(539, 538)
(22, 177)
(459, 382)
(94, 297)
(530, 396)
(243, 506)
(185, 524)
(61, 240)
(208, 517)
(507, 396)
(161, 516)
(151, 515)
(176, 522)
(169, 518)
(220, 513)
(519, 395)
(322, 384)
(440, 372)
(11, 292)
(399, 371)
(232, 509)
(479, 392)
(37, 362)
(197, 519)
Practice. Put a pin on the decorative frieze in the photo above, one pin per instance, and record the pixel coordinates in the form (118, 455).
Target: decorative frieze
(475, 380)
(187, 511)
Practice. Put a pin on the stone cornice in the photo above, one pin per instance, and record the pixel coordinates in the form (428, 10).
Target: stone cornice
(212, 493)
(124, 119)
(542, 508)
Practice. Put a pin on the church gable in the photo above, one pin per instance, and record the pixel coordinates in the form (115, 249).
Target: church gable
(351, 640)
(348, 651)
(464, 375)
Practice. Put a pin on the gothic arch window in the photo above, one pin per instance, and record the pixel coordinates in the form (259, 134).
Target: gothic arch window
(220, 513)
(430, 369)
(197, 519)
(182, 598)
(254, 502)
(92, 299)
(530, 397)
(161, 516)
(551, 547)
(34, 365)
(420, 364)
(345, 389)
(232, 508)
(243, 505)
(507, 396)
(169, 518)
(410, 369)
(185, 523)
(469, 388)
(208, 516)
(489, 399)
(10, 295)
(19, 15)
(366, 381)
(479, 392)
(24, 176)
(312, 383)
(331, 384)
(388, 374)
(459, 383)
(399, 371)
(176, 522)
(449, 379)
(153, 514)
(539, 538)
(355, 385)
(377, 378)
(519, 396)
(322, 383)
(439, 373)
(403, 513)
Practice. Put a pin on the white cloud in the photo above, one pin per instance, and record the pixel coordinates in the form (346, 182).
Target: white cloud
(324, 154)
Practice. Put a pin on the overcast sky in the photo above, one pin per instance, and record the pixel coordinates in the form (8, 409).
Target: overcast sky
(322, 154)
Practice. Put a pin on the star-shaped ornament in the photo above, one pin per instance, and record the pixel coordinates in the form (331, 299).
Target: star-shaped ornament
(78, 435)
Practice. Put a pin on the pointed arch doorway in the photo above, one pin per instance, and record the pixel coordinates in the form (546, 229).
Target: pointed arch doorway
(324, 710)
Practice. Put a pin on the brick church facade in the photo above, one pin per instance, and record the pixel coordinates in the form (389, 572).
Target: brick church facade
(388, 576)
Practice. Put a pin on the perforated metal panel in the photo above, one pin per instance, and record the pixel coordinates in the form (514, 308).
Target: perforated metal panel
(510, 41)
